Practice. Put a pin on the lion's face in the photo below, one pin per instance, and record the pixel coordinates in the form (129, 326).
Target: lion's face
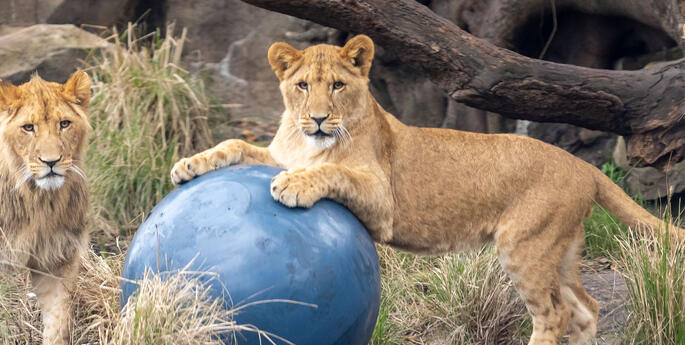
(324, 87)
(43, 129)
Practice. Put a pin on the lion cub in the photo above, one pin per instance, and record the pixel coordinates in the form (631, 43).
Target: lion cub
(43, 136)
(431, 190)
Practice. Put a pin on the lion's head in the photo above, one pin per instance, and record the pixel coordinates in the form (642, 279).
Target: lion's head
(324, 87)
(43, 130)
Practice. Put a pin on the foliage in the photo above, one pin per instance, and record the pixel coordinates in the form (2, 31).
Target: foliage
(654, 269)
(146, 112)
(602, 228)
(458, 298)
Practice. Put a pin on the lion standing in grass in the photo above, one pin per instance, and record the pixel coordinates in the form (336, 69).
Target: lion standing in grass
(43, 195)
(431, 190)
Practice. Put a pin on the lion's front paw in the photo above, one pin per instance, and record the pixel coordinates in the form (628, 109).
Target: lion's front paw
(188, 168)
(296, 189)
(228, 153)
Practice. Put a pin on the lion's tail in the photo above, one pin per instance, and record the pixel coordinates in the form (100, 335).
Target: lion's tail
(612, 198)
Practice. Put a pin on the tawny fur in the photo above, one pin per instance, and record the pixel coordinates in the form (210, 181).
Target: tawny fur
(432, 190)
(42, 215)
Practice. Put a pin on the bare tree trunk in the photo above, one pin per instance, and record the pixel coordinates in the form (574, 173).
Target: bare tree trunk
(646, 106)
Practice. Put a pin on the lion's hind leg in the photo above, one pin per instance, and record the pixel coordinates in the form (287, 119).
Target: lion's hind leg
(584, 308)
(531, 259)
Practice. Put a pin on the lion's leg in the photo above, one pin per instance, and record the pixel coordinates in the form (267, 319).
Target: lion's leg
(366, 194)
(584, 308)
(531, 259)
(54, 299)
(229, 152)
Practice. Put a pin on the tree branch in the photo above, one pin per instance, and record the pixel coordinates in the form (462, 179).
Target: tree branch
(646, 106)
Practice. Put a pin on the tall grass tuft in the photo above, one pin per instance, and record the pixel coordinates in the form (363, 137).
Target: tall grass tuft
(178, 310)
(654, 269)
(452, 299)
(95, 303)
(146, 112)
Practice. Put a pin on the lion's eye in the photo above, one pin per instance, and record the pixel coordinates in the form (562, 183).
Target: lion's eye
(64, 124)
(338, 85)
(28, 127)
(302, 85)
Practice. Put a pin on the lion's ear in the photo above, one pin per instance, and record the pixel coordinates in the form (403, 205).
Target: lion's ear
(9, 94)
(282, 56)
(77, 89)
(359, 51)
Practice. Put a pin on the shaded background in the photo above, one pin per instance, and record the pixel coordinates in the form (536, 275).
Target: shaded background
(228, 39)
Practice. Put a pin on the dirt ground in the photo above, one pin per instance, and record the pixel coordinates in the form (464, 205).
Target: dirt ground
(609, 289)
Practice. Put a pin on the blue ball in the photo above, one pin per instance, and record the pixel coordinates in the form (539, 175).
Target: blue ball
(229, 224)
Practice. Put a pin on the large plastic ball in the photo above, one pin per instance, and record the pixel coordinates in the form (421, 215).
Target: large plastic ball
(228, 223)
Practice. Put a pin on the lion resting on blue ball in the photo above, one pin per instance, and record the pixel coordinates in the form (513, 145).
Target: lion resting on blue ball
(431, 190)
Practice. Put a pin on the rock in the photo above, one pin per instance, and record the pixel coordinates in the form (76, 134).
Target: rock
(405, 92)
(227, 48)
(51, 50)
(592, 146)
(648, 182)
(23, 13)
(94, 12)
(465, 118)
(103, 12)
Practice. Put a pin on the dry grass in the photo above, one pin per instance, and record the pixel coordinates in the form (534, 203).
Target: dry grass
(95, 303)
(654, 269)
(452, 299)
(178, 310)
(19, 320)
(146, 112)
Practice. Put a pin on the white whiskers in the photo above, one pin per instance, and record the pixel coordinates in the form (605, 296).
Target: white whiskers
(78, 171)
(344, 135)
(23, 176)
(292, 135)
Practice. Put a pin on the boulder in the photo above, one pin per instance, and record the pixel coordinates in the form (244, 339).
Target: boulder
(92, 12)
(651, 183)
(228, 49)
(24, 13)
(53, 51)
(594, 147)
(104, 13)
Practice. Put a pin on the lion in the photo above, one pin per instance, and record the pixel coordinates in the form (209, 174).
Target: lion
(428, 190)
(43, 135)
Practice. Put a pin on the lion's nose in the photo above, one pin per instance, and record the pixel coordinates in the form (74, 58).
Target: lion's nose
(319, 119)
(50, 162)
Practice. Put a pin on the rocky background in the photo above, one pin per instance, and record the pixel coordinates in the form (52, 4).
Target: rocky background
(228, 39)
